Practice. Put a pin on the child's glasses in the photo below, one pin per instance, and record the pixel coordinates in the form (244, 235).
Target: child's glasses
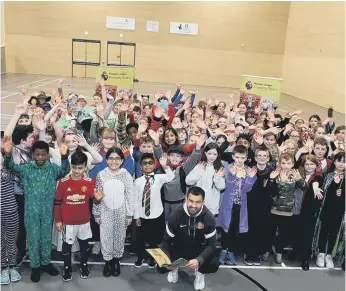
(148, 163)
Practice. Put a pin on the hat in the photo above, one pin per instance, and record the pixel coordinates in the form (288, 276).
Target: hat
(81, 98)
(175, 149)
(44, 96)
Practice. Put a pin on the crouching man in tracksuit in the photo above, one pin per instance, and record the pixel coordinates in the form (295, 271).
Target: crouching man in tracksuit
(190, 234)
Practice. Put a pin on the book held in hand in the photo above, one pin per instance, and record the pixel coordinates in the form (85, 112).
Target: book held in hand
(164, 262)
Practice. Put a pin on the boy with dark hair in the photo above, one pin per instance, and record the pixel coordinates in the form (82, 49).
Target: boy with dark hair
(72, 215)
(39, 179)
(320, 150)
(258, 207)
(233, 215)
(148, 208)
(191, 234)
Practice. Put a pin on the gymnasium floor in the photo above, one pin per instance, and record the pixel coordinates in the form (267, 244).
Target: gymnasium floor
(269, 276)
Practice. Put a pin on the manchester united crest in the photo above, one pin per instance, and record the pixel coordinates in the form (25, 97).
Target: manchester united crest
(84, 188)
(200, 225)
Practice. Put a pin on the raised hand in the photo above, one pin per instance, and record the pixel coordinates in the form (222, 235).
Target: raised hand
(125, 148)
(282, 148)
(124, 107)
(142, 128)
(201, 124)
(159, 111)
(98, 194)
(284, 176)
(41, 124)
(24, 91)
(200, 141)
(275, 173)
(168, 94)
(221, 172)
(80, 140)
(63, 149)
(163, 160)
(7, 145)
(296, 175)
(258, 138)
(96, 146)
(157, 95)
(318, 193)
(252, 172)
(186, 105)
(20, 109)
(155, 136)
(304, 149)
(276, 130)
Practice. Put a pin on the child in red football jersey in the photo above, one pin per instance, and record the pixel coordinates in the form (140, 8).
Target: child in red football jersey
(72, 215)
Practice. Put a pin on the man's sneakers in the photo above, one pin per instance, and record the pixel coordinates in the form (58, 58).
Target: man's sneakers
(96, 248)
(50, 269)
(35, 275)
(173, 276)
(67, 274)
(257, 261)
(5, 277)
(151, 263)
(14, 274)
(139, 263)
(329, 262)
(84, 271)
(199, 282)
(231, 259)
(320, 261)
(278, 258)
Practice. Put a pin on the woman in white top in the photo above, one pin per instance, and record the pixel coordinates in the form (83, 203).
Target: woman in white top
(209, 174)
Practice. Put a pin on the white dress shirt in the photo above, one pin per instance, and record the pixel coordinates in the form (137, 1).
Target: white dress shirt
(156, 207)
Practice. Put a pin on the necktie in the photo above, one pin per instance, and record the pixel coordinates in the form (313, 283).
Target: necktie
(147, 191)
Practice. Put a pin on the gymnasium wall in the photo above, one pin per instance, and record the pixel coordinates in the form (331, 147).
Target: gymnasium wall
(39, 34)
(314, 59)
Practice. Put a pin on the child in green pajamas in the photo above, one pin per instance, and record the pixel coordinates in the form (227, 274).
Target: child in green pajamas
(39, 178)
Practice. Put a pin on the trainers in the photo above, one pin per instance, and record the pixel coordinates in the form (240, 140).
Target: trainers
(96, 248)
(231, 258)
(67, 274)
(257, 261)
(139, 263)
(320, 261)
(50, 269)
(35, 275)
(5, 277)
(199, 282)
(222, 257)
(247, 260)
(278, 258)
(173, 276)
(265, 257)
(329, 262)
(151, 263)
(84, 271)
(14, 274)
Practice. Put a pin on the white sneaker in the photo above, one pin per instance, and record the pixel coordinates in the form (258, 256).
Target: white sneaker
(96, 248)
(320, 260)
(199, 283)
(173, 276)
(329, 262)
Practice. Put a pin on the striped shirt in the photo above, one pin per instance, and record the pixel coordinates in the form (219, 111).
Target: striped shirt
(8, 200)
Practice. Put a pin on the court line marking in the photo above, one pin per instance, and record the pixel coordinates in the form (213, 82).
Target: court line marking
(221, 267)
(33, 82)
(31, 87)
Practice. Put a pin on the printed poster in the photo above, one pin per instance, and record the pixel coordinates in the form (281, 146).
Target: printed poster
(256, 90)
(116, 76)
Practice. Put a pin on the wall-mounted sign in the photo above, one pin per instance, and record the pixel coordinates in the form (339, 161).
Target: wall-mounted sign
(183, 28)
(120, 23)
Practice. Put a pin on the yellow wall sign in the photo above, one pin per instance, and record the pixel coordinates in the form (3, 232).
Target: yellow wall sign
(256, 89)
(116, 76)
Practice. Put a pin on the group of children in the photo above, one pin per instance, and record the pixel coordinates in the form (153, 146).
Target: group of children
(73, 172)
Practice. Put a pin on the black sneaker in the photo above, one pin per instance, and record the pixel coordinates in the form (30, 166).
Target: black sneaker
(67, 274)
(50, 270)
(84, 271)
(139, 263)
(107, 269)
(248, 261)
(151, 263)
(115, 267)
(35, 275)
(257, 261)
